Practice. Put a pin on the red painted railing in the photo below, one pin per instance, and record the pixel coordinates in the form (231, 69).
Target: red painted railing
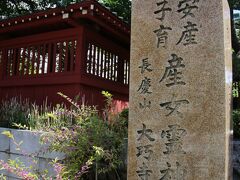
(72, 61)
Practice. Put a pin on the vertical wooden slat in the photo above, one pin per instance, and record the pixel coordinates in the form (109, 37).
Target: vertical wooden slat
(71, 61)
(23, 60)
(38, 59)
(54, 56)
(98, 61)
(75, 55)
(106, 64)
(8, 62)
(57, 69)
(125, 71)
(43, 59)
(128, 71)
(14, 61)
(33, 59)
(60, 57)
(1, 63)
(94, 60)
(120, 71)
(114, 67)
(66, 57)
(111, 66)
(103, 63)
(28, 61)
(18, 61)
(50, 59)
(89, 57)
(102, 66)
(4, 63)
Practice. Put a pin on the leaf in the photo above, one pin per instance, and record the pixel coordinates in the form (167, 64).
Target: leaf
(99, 152)
(51, 115)
(8, 134)
(20, 143)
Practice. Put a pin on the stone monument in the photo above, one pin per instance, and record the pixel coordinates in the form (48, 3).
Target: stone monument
(180, 90)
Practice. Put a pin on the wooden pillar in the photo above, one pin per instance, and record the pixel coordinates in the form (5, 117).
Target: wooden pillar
(120, 77)
(80, 52)
(3, 68)
(1, 63)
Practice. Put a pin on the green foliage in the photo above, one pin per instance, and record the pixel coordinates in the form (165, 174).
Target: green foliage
(237, 27)
(2, 177)
(236, 67)
(92, 145)
(236, 123)
(122, 7)
(90, 142)
(19, 169)
(18, 113)
(12, 8)
(234, 4)
(14, 110)
(8, 134)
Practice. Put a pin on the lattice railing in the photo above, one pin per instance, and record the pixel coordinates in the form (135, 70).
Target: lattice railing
(126, 71)
(41, 58)
(105, 64)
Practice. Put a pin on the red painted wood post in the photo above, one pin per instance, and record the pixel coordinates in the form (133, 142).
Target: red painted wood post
(28, 63)
(60, 56)
(120, 77)
(8, 61)
(38, 59)
(54, 57)
(4, 64)
(80, 52)
(50, 59)
(66, 57)
(44, 58)
(14, 61)
(71, 60)
(1, 63)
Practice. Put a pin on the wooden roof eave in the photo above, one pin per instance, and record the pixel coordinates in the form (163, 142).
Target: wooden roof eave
(88, 9)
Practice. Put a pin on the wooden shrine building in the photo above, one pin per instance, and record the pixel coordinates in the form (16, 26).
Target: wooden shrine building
(79, 49)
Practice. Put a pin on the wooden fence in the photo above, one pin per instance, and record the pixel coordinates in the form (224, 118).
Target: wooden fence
(73, 61)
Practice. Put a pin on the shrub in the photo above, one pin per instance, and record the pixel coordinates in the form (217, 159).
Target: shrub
(92, 143)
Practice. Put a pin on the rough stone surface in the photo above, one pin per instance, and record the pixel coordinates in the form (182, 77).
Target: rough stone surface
(31, 145)
(5, 144)
(180, 90)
